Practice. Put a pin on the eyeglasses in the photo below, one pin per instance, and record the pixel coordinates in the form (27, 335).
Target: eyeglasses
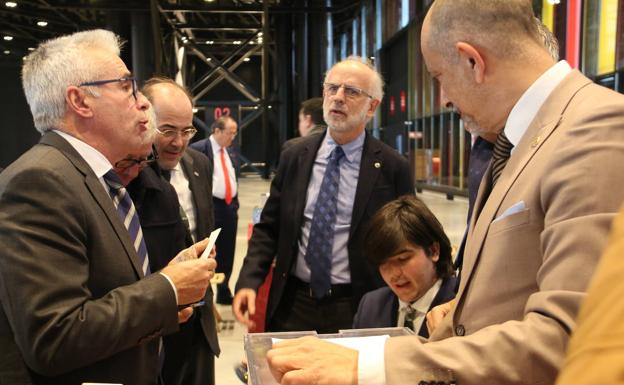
(349, 91)
(129, 82)
(129, 162)
(171, 133)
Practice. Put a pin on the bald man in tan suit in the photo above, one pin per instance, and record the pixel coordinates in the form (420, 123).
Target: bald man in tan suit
(538, 226)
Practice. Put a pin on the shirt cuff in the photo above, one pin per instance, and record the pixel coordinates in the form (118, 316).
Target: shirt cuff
(371, 364)
(175, 291)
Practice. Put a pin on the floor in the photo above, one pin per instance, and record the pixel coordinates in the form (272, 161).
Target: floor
(452, 215)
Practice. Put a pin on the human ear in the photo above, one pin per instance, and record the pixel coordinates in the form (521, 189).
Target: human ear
(434, 251)
(472, 58)
(77, 101)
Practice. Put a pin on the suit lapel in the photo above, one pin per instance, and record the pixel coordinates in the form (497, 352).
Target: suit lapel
(100, 195)
(300, 180)
(195, 185)
(537, 133)
(370, 166)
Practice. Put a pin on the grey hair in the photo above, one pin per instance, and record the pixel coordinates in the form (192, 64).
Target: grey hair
(503, 26)
(377, 82)
(57, 64)
(548, 39)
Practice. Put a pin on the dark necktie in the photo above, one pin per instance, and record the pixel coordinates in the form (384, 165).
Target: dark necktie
(127, 214)
(410, 316)
(321, 241)
(500, 155)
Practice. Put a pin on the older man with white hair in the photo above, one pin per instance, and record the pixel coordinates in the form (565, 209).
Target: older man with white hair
(325, 191)
(79, 302)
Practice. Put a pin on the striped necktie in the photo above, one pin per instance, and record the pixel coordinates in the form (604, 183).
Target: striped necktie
(127, 214)
(500, 155)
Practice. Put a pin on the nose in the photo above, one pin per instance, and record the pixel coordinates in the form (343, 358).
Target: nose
(444, 100)
(142, 102)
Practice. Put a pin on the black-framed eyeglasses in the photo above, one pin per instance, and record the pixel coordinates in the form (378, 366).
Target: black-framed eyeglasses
(349, 91)
(130, 79)
(129, 162)
(171, 133)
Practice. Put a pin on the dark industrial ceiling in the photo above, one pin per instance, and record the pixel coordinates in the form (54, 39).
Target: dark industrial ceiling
(217, 25)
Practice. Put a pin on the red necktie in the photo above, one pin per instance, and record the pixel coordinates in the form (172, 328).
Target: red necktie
(226, 176)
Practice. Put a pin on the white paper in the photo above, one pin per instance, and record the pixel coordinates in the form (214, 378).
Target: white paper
(211, 242)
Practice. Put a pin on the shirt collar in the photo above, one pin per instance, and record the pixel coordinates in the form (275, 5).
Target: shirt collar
(350, 149)
(529, 104)
(215, 146)
(423, 303)
(98, 162)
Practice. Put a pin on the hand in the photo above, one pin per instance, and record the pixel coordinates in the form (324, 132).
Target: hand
(190, 253)
(309, 360)
(244, 305)
(185, 314)
(435, 315)
(191, 278)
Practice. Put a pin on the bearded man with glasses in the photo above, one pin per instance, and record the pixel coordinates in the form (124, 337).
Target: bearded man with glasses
(325, 191)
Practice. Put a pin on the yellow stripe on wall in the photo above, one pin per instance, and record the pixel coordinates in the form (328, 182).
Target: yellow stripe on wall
(548, 14)
(607, 36)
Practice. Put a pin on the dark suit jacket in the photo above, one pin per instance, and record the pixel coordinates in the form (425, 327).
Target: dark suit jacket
(380, 308)
(384, 176)
(75, 304)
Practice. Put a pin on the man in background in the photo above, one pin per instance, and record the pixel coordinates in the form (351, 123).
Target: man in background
(79, 301)
(189, 354)
(218, 148)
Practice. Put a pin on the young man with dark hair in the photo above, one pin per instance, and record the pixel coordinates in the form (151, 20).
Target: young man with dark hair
(408, 245)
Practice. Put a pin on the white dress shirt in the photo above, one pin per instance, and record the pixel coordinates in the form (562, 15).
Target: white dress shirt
(218, 177)
(519, 119)
(180, 183)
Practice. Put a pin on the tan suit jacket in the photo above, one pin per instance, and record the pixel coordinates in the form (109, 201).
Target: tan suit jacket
(596, 351)
(525, 274)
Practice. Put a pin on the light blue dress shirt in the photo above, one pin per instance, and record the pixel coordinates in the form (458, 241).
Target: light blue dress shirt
(349, 172)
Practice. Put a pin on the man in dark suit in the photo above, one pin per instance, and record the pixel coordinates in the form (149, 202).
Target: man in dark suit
(320, 273)
(189, 354)
(408, 245)
(78, 301)
(218, 148)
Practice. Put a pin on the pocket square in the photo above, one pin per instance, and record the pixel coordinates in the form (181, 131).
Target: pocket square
(515, 208)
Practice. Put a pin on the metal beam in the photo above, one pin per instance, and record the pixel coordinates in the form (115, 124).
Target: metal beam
(214, 27)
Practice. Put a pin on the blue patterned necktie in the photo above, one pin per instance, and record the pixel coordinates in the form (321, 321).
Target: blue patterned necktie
(127, 213)
(319, 253)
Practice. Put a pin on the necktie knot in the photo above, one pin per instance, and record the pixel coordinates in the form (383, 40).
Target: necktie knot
(337, 154)
(500, 155)
(410, 316)
(112, 180)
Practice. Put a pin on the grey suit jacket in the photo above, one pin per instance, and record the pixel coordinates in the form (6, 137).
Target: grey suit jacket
(525, 274)
(75, 304)
(384, 176)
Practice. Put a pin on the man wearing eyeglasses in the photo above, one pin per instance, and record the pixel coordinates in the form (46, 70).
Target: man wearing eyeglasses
(79, 302)
(189, 354)
(218, 148)
(325, 191)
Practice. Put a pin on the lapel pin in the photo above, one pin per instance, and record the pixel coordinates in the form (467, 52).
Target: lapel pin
(535, 141)
(196, 173)
(377, 164)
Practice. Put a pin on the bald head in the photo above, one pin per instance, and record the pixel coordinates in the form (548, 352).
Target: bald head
(504, 27)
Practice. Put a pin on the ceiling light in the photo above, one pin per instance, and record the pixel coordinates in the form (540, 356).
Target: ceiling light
(6, 52)
(8, 38)
(209, 41)
(31, 49)
(236, 42)
(259, 33)
(208, 59)
(246, 59)
(42, 23)
(10, 4)
(209, 1)
(195, 109)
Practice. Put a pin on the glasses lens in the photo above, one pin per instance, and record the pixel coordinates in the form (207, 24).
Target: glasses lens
(189, 133)
(351, 91)
(125, 163)
(134, 88)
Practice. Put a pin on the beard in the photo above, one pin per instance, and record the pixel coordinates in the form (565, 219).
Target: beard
(350, 122)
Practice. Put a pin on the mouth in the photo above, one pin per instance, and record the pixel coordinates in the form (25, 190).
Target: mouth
(337, 112)
(143, 124)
